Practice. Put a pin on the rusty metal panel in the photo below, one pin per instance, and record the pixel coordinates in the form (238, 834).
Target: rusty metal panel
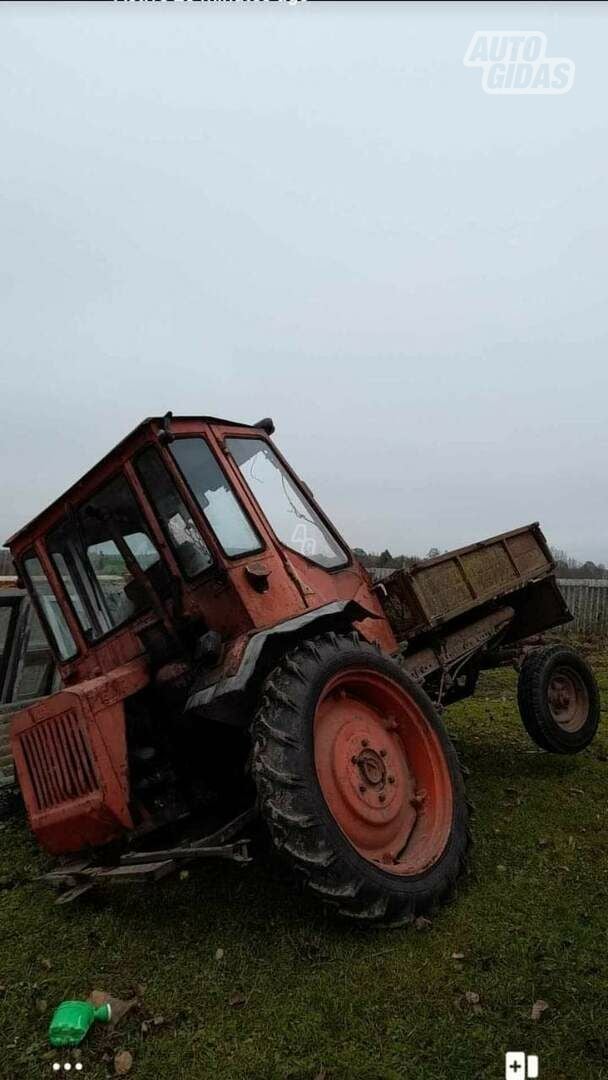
(442, 588)
(527, 552)
(488, 569)
(401, 605)
(539, 606)
(458, 581)
(422, 662)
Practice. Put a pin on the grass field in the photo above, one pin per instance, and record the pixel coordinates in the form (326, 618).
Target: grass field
(296, 995)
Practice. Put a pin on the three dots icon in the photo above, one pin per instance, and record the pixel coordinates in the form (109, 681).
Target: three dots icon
(67, 1066)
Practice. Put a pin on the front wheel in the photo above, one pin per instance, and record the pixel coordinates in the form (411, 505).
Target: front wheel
(358, 781)
(558, 699)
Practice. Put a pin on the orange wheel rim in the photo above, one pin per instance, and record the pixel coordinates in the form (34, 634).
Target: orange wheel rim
(382, 771)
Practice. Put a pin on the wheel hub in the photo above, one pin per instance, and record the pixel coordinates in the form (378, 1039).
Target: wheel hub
(568, 699)
(369, 772)
(560, 693)
(372, 768)
(376, 788)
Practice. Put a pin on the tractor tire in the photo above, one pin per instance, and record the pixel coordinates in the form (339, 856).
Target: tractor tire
(558, 699)
(358, 782)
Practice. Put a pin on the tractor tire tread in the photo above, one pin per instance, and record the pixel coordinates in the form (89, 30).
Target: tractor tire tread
(289, 804)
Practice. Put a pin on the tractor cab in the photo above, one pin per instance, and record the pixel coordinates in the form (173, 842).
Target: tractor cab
(168, 580)
(188, 525)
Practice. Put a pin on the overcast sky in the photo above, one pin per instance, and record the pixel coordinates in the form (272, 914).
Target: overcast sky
(311, 212)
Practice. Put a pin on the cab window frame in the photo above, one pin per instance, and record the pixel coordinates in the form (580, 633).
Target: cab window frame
(14, 604)
(303, 490)
(92, 643)
(33, 553)
(233, 487)
(167, 461)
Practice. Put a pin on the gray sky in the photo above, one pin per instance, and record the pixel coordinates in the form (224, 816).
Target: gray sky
(312, 212)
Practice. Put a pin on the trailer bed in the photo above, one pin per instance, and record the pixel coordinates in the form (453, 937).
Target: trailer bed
(449, 586)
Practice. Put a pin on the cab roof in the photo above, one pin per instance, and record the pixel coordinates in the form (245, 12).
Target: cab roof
(156, 423)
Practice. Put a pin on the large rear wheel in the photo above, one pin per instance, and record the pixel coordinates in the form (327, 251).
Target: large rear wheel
(358, 781)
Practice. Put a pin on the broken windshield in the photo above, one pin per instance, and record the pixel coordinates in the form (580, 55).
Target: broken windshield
(98, 551)
(289, 513)
(215, 497)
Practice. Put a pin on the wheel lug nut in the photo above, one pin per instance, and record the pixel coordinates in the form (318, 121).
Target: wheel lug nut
(362, 788)
(383, 752)
(391, 779)
(364, 742)
(382, 797)
(354, 759)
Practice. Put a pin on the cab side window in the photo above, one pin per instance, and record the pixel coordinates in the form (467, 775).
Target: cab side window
(215, 497)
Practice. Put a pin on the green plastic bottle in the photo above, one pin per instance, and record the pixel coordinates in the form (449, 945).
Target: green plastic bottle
(72, 1019)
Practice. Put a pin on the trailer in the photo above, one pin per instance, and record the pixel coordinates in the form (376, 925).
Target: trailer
(477, 607)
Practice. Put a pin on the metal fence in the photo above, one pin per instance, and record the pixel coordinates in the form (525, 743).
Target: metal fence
(587, 599)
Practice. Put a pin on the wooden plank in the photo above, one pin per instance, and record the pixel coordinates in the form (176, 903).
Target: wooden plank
(75, 874)
(152, 871)
(66, 874)
(74, 892)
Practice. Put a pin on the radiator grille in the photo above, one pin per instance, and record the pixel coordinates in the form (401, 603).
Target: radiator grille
(58, 760)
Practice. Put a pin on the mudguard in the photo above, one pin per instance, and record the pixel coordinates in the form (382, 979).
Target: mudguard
(227, 697)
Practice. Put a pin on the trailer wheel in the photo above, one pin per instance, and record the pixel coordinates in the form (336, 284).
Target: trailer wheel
(558, 699)
(358, 781)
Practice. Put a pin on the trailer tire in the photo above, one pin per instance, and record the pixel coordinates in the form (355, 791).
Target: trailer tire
(558, 699)
(333, 800)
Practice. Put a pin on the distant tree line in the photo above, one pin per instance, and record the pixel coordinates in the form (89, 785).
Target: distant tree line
(384, 558)
(567, 567)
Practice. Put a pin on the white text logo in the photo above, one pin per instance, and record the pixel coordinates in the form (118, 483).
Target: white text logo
(516, 62)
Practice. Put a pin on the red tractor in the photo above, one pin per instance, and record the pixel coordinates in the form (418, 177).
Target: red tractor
(223, 653)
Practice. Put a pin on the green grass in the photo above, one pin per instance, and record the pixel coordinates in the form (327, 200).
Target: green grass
(326, 999)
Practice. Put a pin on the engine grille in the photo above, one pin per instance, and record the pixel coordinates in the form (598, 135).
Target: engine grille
(59, 760)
